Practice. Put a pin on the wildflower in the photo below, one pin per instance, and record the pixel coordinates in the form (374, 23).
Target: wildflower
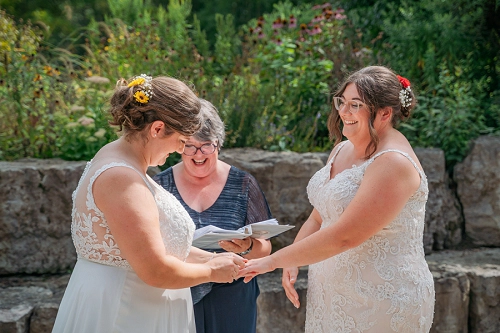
(317, 18)
(100, 133)
(277, 24)
(141, 97)
(47, 70)
(97, 79)
(38, 77)
(76, 108)
(85, 121)
(316, 30)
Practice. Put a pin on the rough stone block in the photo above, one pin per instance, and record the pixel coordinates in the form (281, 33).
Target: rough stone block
(16, 319)
(443, 220)
(275, 313)
(452, 302)
(478, 187)
(35, 215)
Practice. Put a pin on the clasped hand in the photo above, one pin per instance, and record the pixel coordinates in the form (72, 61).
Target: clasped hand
(263, 265)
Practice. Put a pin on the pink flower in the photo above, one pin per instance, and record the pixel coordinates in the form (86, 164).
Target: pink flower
(277, 24)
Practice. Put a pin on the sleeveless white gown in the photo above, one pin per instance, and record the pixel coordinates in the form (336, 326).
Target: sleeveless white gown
(104, 294)
(383, 285)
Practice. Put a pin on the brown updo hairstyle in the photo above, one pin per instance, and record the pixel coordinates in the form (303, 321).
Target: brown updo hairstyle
(173, 103)
(378, 87)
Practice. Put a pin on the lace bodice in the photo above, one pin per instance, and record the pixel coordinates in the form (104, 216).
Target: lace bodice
(90, 232)
(383, 285)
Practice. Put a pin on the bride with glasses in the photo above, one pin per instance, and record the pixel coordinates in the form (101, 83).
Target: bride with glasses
(363, 241)
(216, 193)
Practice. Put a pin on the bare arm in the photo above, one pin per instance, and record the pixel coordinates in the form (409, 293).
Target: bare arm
(132, 216)
(387, 185)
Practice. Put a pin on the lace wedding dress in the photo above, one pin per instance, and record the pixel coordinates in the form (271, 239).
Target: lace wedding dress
(104, 294)
(384, 285)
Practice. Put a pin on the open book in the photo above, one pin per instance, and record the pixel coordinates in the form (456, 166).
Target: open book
(209, 236)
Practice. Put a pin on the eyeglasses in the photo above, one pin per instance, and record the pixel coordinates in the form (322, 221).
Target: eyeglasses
(353, 105)
(206, 149)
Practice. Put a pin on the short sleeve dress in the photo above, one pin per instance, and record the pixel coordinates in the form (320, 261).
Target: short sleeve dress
(226, 307)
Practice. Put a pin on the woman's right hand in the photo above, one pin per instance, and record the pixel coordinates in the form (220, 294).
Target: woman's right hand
(225, 268)
(288, 281)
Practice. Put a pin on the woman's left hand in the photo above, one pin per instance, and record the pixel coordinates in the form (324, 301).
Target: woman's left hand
(255, 267)
(236, 245)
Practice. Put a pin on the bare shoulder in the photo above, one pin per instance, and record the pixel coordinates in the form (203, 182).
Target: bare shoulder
(392, 166)
(121, 187)
(117, 177)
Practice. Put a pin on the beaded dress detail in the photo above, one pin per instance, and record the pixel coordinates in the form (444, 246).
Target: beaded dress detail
(383, 285)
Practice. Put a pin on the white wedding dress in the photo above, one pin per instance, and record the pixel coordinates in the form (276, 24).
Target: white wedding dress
(384, 285)
(104, 294)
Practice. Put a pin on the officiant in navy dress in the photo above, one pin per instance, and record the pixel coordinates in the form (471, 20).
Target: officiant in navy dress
(216, 193)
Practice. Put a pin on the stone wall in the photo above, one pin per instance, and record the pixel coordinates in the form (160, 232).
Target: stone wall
(462, 249)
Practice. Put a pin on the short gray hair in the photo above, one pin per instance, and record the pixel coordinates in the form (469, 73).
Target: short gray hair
(212, 127)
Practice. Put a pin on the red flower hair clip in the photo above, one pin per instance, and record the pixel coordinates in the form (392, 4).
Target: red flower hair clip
(405, 93)
(404, 81)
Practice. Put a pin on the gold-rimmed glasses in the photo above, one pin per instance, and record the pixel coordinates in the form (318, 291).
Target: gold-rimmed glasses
(353, 105)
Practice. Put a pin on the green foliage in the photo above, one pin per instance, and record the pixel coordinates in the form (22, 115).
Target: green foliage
(40, 94)
(450, 51)
(271, 78)
(300, 54)
(448, 116)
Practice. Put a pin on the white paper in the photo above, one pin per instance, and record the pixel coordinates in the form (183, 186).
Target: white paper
(209, 236)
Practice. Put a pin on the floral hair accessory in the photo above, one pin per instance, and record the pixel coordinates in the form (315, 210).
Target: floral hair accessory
(145, 90)
(405, 93)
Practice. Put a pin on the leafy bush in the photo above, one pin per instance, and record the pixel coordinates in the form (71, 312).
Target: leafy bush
(271, 79)
(40, 93)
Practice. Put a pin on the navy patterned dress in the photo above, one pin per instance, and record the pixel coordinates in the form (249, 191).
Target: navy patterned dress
(226, 307)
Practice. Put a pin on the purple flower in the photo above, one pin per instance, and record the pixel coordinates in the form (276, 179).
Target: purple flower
(277, 24)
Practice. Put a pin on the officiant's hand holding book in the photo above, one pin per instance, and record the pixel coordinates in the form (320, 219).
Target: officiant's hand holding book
(208, 237)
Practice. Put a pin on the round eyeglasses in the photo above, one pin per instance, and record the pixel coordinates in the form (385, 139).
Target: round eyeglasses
(206, 149)
(353, 105)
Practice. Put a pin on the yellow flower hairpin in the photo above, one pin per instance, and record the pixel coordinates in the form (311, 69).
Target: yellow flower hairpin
(145, 90)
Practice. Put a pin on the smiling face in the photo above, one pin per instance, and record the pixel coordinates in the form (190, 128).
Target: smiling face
(200, 165)
(164, 146)
(355, 123)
